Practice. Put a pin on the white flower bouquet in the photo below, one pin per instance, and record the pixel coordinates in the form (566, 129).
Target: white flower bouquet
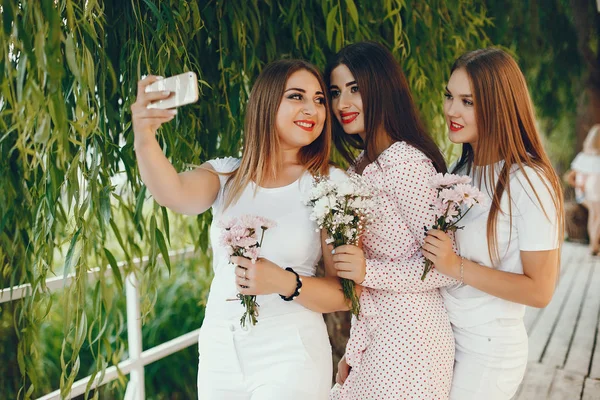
(343, 207)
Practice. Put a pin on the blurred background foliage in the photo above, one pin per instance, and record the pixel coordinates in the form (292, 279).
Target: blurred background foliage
(70, 194)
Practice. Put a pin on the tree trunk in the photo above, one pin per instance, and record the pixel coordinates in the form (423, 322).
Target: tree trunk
(338, 326)
(587, 25)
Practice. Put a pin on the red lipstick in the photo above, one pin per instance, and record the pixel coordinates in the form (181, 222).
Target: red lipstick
(454, 127)
(348, 117)
(307, 125)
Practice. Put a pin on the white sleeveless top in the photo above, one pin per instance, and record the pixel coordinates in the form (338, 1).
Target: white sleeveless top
(295, 241)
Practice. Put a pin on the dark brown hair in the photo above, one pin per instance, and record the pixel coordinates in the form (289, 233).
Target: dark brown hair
(261, 142)
(387, 103)
(506, 131)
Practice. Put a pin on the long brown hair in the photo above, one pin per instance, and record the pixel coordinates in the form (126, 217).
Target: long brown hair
(260, 159)
(387, 102)
(506, 130)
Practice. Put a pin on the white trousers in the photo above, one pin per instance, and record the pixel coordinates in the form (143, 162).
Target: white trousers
(490, 360)
(282, 357)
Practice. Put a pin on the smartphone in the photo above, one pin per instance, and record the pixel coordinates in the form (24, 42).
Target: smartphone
(183, 86)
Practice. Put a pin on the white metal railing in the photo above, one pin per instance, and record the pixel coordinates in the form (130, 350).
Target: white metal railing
(134, 365)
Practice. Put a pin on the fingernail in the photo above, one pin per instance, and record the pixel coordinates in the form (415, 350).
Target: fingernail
(166, 93)
(333, 251)
(160, 77)
(173, 111)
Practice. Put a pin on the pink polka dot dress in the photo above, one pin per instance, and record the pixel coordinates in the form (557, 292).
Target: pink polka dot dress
(402, 346)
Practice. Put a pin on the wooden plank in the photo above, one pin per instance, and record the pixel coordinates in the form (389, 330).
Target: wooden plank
(595, 368)
(532, 314)
(540, 335)
(566, 385)
(536, 383)
(591, 389)
(582, 348)
(560, 340)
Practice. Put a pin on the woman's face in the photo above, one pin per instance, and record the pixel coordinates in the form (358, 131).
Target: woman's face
(460, 110)
(301, 114)
(346, 102)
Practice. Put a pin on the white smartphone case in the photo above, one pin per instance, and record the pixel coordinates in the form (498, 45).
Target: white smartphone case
(183, 86)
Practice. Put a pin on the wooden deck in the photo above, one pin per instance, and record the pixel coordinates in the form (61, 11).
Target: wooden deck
(564, 339)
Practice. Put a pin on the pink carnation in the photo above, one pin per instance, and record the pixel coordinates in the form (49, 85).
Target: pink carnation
(252, 253)
(452, 213)
(440, 180)
(450, 196)
(470, 195)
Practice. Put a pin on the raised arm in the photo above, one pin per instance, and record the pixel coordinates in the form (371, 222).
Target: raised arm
(190, 192)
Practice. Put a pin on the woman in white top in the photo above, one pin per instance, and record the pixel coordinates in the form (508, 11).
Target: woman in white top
(508, 251)
(585, 178)
(287, 354)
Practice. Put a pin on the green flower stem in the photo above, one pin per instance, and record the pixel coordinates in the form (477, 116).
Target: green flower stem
(348, 285)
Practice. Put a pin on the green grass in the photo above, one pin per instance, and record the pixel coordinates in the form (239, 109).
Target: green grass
(179, 309)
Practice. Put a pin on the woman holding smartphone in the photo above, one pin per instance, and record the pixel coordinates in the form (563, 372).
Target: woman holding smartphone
(287, 354)
(508, 251)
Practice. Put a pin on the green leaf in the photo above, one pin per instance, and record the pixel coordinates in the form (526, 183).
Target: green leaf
(115, 268)
(70, 56)
(153, 243)
(72, 255)
(351, 8)
(117, 234)
(21, 69)
(163, 249)
(330, 25)
(105, 205)
(139, 204)
(165, 221)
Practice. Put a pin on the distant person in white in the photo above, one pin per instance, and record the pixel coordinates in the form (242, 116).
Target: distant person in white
(508, 252)
(584, 176)
(287, 140)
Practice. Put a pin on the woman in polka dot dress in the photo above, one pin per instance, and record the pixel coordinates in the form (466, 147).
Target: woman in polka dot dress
(401, 346)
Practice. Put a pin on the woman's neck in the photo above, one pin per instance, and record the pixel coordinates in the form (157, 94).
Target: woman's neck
(380, 144)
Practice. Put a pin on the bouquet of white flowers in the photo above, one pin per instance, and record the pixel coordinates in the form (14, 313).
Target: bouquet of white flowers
(241, 238)
(455, 198)
(343, 207)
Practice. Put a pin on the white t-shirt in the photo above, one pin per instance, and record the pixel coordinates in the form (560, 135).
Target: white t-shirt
(295, 241)
(531, 230)
(587, 167)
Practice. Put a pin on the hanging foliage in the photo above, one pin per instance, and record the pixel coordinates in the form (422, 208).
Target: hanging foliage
(70, 194)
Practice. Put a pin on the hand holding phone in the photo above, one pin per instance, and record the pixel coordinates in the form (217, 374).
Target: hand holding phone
(184, 89)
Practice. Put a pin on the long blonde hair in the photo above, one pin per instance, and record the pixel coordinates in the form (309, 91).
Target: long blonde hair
(591, 144)
(506, 131)
(260, 159)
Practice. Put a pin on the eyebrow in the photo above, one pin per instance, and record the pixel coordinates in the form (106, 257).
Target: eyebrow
(300, 90)
(347, 84)
(460, 95)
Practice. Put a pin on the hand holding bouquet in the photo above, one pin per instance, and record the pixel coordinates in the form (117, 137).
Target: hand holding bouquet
(343, 207)
(455, 198)
(243, 237)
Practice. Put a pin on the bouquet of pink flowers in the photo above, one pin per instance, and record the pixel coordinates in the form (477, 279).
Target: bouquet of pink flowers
(455, 198)
(241, 238)
(343, 207)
